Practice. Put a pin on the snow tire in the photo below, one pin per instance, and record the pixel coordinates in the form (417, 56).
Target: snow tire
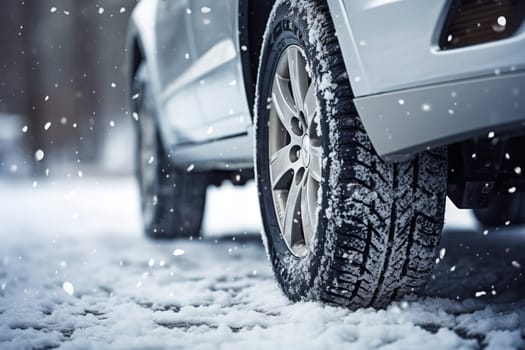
(379, 224)
(173, 202)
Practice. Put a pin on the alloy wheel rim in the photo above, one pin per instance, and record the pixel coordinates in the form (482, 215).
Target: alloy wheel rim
(295, 151)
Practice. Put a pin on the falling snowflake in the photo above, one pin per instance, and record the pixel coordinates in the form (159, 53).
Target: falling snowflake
(39, 155)
(68, 288)
(178, 252)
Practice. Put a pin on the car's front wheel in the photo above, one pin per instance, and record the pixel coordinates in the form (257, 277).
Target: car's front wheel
(341, 225)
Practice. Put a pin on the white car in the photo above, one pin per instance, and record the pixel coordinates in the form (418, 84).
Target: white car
(359, 117)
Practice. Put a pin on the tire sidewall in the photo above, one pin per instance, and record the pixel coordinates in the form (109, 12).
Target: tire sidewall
(140, 105)
(145, 107)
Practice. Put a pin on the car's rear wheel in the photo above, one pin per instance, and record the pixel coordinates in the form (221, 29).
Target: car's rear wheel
(172, 199)
(340, 224)
(503, 209)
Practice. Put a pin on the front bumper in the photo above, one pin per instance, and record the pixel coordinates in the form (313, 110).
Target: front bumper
(406, 122)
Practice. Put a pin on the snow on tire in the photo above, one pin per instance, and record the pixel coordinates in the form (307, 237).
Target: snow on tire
(378, 224)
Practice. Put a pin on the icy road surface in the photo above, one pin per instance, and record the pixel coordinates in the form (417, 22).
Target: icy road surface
(75, 273)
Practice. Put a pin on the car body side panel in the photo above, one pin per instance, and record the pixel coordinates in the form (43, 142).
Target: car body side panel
(197, 74)
(142, 30)
(193, 52)
(179, 102)
(222, 96)
(198, 84)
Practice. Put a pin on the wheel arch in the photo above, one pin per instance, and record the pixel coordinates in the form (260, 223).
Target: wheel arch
(136, 57)
(141, 48)
(253, 17)
(140, 41)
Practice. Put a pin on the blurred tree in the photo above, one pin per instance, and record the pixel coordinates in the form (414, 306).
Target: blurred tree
(61, 62)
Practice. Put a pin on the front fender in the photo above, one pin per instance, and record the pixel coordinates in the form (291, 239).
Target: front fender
(141, 36)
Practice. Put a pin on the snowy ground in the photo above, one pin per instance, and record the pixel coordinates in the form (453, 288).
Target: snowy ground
(75, 272)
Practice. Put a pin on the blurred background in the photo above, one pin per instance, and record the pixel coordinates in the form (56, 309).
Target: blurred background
(66, 135)
(63, 101)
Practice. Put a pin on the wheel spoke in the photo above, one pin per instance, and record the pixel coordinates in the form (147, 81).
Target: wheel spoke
(298, 76)
(291, 224)
(280, 166)
(310, 105)
(316, 163)
(283, 102)
(305, 215)
(312, 197)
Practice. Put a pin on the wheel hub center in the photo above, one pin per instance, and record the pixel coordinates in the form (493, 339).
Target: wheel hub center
(305, 153)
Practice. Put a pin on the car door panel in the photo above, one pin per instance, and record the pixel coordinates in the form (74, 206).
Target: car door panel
(178, 101)
(221, 90)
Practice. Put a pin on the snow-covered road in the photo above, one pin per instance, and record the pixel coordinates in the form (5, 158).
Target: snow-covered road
(76, 273)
